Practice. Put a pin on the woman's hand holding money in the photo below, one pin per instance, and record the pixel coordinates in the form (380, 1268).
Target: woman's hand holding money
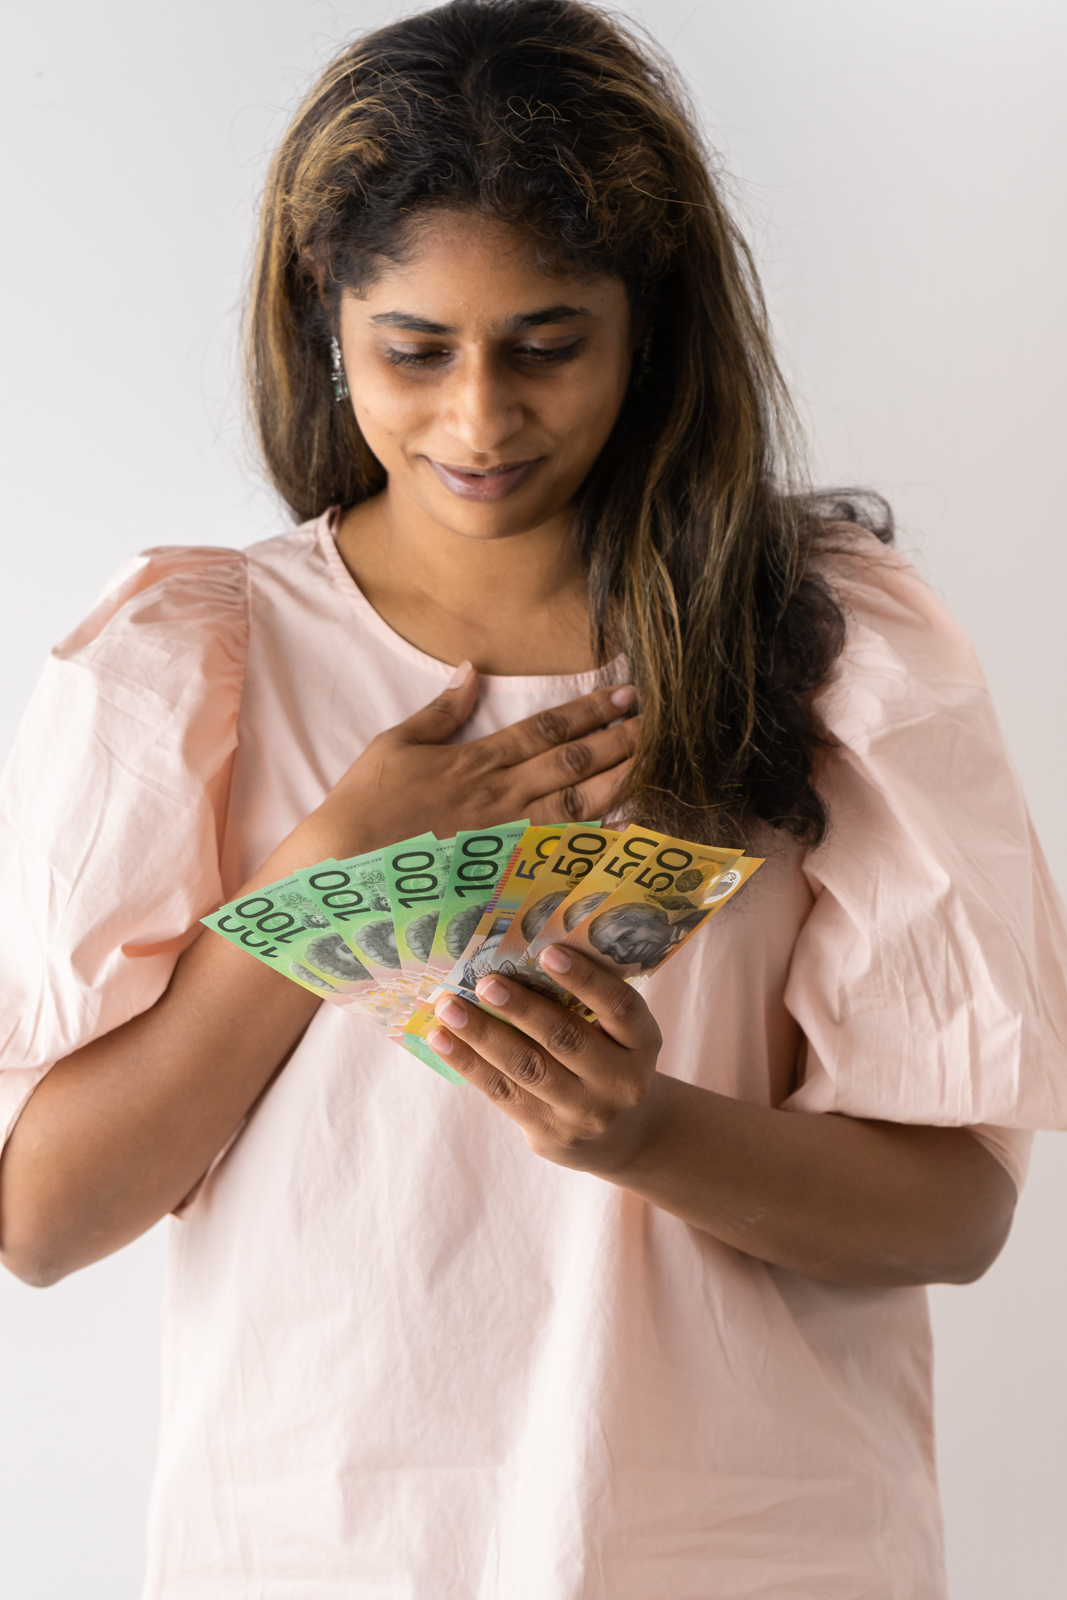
(563, 765)
(848, 1201)
(585, 1094)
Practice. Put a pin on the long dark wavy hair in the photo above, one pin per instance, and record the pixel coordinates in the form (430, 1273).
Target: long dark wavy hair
(552, 115)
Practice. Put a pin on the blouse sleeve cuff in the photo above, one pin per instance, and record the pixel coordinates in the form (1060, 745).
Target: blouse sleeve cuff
(1011, 1146)
(16, 1086)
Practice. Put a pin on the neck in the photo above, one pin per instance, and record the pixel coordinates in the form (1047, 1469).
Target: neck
(515, 606)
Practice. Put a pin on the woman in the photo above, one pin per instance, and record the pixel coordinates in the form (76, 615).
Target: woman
(642, 1315)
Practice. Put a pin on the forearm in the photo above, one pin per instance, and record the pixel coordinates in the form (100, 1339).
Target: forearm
(117, 1134)
(849, 1201)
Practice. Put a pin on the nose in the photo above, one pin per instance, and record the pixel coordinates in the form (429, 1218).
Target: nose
(482, 408)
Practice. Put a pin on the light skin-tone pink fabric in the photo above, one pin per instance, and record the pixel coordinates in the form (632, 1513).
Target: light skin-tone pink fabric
(403, 1355)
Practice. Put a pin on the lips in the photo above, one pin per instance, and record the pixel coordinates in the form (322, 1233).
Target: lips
(488, 483)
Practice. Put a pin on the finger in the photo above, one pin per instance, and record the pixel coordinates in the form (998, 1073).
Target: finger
(620, 1010)
(557, 726)
(573, 763)
(504, 1092)
(581, 802)
(586, 1051)
(437, 722)
(524, 1062)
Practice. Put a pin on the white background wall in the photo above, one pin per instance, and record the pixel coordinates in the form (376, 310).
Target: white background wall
(900, 172)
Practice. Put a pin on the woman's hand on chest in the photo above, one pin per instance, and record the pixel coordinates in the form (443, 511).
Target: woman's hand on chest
(567, 764)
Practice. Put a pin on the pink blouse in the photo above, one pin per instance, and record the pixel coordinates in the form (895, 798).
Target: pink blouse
(405, 1359)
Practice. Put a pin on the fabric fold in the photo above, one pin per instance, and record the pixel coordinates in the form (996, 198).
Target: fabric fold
(929, 979)
(112, 800)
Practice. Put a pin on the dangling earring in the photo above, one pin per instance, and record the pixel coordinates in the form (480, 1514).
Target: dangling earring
(337, 372)
(643, 364)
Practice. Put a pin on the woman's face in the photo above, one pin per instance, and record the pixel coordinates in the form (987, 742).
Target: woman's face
(485, 386)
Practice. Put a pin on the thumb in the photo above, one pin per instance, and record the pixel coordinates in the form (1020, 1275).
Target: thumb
(437, 722)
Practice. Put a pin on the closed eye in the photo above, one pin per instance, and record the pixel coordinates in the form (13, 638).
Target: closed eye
(414, 358)
(532, 354)
(549, 355)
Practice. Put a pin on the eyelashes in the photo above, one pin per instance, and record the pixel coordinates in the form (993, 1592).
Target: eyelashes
(419, 358)
(529, 355)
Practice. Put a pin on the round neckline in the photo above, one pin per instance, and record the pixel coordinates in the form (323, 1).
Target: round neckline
(582, 682)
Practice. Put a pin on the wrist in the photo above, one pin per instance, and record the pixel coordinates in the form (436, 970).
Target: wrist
(318, 838)
(344, 826)
(641, 1142)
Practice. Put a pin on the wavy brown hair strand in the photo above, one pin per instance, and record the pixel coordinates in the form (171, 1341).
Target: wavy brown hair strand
(552, 115)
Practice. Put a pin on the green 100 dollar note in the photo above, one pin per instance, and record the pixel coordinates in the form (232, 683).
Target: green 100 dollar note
(283, 927)
(353, 894)
(536, 845)
(479, 856)
(416, 871)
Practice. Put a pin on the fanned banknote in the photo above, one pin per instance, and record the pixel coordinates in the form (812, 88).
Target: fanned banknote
(479, 857)
(355, 896)
(390, 1008)
(578, 851)
(413, 1040)
(416, 871)
(636, 911)
(283, 926)
(382, 932)
(640, 857)
(534, 848)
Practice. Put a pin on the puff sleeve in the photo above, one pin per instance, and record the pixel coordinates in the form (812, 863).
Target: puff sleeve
(111, 807)
(930, 979)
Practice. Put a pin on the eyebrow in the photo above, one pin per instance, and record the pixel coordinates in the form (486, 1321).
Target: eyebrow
(522, 320)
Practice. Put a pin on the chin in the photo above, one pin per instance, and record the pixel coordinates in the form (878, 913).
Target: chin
(503, 519)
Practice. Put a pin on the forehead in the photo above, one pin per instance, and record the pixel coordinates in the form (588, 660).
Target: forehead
(464, 262)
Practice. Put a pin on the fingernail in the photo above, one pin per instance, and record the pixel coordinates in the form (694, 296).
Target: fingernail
(452, 1012)
(555, 959)
(460, 676)
(624, 697)
(439, 1042)
(493, 991)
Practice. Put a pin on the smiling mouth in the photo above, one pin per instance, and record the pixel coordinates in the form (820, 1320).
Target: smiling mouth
(485, 483)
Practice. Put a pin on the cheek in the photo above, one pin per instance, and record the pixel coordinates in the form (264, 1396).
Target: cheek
(582, 414)
(604, 393)
(384, 407)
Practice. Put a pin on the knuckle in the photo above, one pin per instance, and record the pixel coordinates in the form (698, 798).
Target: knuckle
(594, 1123)
(566, 1036)
(486, 794)
(476, 758)
(575, 759)
(527, 1066)
(571, 803)
(501, 1089)
(626, 1005)
(630, 1092)
(551, 726)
